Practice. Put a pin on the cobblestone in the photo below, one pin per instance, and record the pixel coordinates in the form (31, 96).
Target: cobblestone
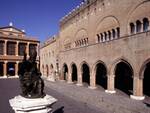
(111, 103)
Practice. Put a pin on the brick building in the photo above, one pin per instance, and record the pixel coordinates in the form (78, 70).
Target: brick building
(106, 43)
(13, 42)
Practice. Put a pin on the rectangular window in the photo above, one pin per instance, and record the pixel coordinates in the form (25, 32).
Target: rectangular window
(22, 48)
(11, 47)
(31, 48)
(1, 48)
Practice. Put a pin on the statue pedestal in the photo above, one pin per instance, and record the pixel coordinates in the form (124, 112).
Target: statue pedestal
(37, 105)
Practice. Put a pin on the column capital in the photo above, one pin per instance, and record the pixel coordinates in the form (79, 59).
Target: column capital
(17, 62)
(5, 62)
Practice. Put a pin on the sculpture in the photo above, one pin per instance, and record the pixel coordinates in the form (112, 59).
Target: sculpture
(32, 85)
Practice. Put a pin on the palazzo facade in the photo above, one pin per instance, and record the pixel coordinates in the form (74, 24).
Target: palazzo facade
(105, 43)
(13, 43)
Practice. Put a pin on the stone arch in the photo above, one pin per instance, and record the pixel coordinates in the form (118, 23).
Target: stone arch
(116, 61)
(85, 71)
(74, 71)
(100, 73)
(81, 34)
(139, 12)
(65, 71)
(106, 24)
(124, 72)
(144, 74)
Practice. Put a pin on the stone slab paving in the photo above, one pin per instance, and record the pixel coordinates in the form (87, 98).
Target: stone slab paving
(97, 98)
(9, 88)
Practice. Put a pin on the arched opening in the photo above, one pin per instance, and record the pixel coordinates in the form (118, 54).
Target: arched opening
(85, 74)
(146, 80)
(74, 73)
(138, 26)
(101, 37)
(132, 28)
(113, 33)
(65, 72)
(118, 32)
(98, 38)
(145, 24)
(1, 69)
(123, 79)
(11, 69)
(105, 36)
(47, 71)
(109, 35)
(101, 75)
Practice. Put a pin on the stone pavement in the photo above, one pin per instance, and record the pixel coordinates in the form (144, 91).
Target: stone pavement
(10, 88)
(98, 99)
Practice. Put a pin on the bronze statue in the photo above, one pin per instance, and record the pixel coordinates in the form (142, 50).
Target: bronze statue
(32, 85)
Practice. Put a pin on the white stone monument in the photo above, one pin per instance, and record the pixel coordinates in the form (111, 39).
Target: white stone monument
(38, 105)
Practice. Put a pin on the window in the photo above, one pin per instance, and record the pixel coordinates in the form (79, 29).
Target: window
(145, 24)
(1, 48)
(98, 38)
(113, 33)
(118, 32)
(32, 47)
(138, 26)
(109, 35)
(132, 28)
(22, 48)
(11, 46)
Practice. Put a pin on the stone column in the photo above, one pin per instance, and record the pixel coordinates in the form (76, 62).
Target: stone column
(17, 43)
(103, 37)
(137, 89)
(92, 81)
(5, 48)
(16, 68)
(110, 84)
(27, 49)
(116, 35)
(69, 78)
(79, 82)
(111, 38)
(5, 68)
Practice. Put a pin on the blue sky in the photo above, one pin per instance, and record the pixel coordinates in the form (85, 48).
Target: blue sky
(39, 18)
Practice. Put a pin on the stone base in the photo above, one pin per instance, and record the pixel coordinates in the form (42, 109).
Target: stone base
(79, 84)
(137, 97)
(39, 105)
(111, 92)
(92, 87)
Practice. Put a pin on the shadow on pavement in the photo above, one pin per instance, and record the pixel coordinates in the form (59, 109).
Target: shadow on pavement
(147, 104)
(59, 110)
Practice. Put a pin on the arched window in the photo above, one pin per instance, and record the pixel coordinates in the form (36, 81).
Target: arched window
(138, 26)
(118, 32)
(105, 35)
(101, 37)
(98, 38)
(109, 35)
(145, 24)
(132, 28)
(113, 33)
